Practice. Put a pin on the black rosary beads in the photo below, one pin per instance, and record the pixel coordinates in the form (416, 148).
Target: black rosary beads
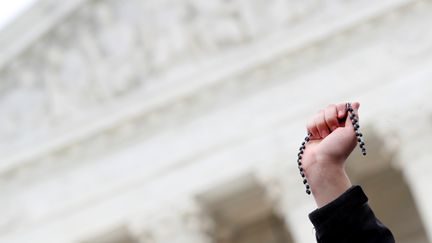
(359, 136)
(299, 163)
(354, 121)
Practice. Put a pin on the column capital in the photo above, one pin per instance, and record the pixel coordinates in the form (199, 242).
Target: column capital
(179, 221)
(285, 189)
(414, 147)
(282, 183)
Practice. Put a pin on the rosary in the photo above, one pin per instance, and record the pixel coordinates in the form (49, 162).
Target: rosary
(354, 119)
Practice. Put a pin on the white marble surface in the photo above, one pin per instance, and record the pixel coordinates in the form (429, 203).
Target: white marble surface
(112, 108)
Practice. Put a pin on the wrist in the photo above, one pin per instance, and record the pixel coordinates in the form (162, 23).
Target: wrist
(328, 180)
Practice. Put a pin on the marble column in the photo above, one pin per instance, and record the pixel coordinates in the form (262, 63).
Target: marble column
(418, 175)
(416, 164)
(285, 189)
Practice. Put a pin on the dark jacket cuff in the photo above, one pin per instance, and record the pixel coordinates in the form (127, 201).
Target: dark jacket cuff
(331, 213)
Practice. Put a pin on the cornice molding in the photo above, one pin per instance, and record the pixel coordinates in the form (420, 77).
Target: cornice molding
(212, 90)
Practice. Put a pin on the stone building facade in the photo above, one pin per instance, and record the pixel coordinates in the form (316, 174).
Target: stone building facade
(178, 120)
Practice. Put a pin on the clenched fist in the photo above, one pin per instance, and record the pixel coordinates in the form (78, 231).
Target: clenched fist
(331, 142)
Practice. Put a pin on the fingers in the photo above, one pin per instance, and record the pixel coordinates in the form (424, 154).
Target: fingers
(355, 105)
(318, 126)
(326, 121)
(331, 117)
(341, 109)
(312, 129)
(321, 125)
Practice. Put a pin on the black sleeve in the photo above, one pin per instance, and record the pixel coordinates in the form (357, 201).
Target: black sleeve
(349, 219)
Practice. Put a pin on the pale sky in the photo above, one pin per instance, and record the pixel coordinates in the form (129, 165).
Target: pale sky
(9, 9)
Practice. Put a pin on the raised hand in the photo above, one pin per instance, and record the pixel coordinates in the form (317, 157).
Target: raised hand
(332, 139)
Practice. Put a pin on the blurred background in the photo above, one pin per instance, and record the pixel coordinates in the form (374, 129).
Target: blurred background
(155, 121)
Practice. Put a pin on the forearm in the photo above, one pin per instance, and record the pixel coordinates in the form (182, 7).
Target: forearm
(343, 214)
(328, 181)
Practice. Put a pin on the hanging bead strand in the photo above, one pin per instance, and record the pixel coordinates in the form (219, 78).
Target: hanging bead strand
(354, 120)
(300, 165)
